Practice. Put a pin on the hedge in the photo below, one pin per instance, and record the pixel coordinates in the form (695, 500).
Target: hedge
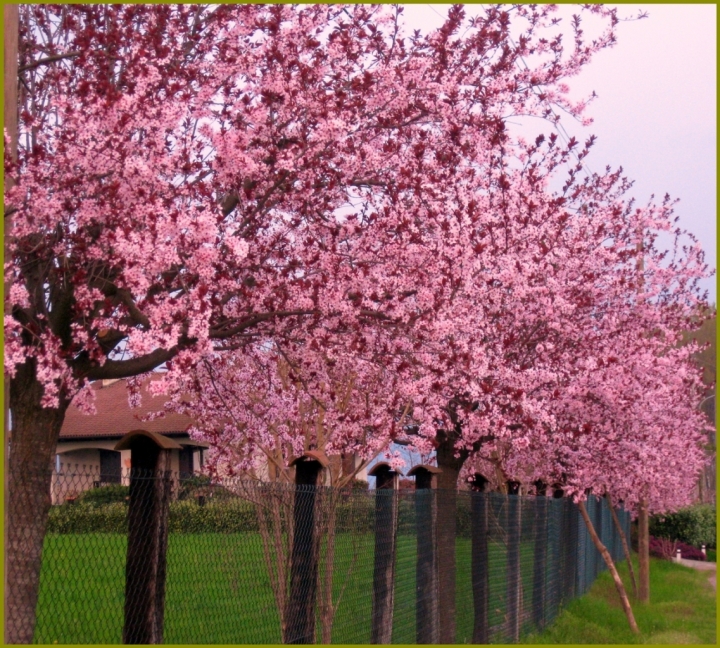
(186, 516)
(355, 514)
(105, 494)
(84, 517)
(694, 525)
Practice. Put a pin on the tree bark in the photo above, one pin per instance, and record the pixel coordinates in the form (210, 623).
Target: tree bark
(11, 33)
(446, 532)
(327, 527)
(611, 566)
(643, 552)
(625, 546)
(35, 434)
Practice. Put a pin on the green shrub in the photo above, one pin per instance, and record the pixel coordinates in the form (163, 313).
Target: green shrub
(358, 485)
(694, 525)
(222, 514)
(83, 517)
(197, 484)
(229, 516)
(105, 495)
(355, 515)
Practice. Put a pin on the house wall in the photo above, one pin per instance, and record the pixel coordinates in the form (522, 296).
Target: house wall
(79, 466)
(81, 461)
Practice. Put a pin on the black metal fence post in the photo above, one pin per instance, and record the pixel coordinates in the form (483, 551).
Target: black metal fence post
(426, 606)
(304, 556)
(573, 549)
(384, 560)
(145, 568)
(562, 513)
(480, 561)
(598, 522)
(540, 558)
(513, 560)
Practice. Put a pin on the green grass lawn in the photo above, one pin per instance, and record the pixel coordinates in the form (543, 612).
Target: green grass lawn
(218, 591)
(682, 610)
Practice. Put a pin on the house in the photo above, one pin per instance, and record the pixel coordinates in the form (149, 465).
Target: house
(86, 455)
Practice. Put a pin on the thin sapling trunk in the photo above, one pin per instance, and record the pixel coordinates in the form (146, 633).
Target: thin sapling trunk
(611, 566)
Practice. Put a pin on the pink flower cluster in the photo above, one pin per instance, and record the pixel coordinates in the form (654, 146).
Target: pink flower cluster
(329, 234)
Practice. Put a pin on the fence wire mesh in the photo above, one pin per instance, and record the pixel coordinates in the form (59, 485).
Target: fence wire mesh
(253, 562)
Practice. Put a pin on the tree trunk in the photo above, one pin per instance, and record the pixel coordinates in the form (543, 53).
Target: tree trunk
(35, 434)
(446, 531)
(644, 552)
(274, 511)
(626, 548)
(599, 530)
(326, 526)
(11, 18)
(611, 566)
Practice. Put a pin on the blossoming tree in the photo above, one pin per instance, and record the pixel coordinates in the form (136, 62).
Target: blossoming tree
(307, 183)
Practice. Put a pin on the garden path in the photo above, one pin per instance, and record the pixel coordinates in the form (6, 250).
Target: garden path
(703, 566)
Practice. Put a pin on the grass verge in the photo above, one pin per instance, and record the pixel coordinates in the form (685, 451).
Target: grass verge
(682, 610)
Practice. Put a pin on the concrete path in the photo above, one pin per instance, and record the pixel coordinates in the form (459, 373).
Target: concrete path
(703, 566)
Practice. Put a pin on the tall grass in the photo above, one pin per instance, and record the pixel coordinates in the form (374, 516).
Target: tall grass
(682, 610)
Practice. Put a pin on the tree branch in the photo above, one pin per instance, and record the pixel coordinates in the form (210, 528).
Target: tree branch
(129, 367)
(220, 334)
(48, 59)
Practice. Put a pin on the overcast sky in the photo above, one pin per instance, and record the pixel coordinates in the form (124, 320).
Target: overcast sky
(655, 114)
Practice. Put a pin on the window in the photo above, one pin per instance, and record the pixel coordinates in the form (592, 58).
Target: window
(109, 467)
(186, 462)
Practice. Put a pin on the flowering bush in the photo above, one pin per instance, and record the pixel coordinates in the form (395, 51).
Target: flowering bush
(664, 548)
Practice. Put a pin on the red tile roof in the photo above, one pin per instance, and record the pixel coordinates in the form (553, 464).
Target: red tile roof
(114, 418)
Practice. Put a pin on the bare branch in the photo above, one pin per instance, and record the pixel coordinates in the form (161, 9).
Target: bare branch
(48, 59)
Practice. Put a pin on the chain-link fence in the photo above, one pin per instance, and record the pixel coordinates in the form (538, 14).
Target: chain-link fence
(252, 562)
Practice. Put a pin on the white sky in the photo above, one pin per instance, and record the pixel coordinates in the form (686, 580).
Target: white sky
(655, 114)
